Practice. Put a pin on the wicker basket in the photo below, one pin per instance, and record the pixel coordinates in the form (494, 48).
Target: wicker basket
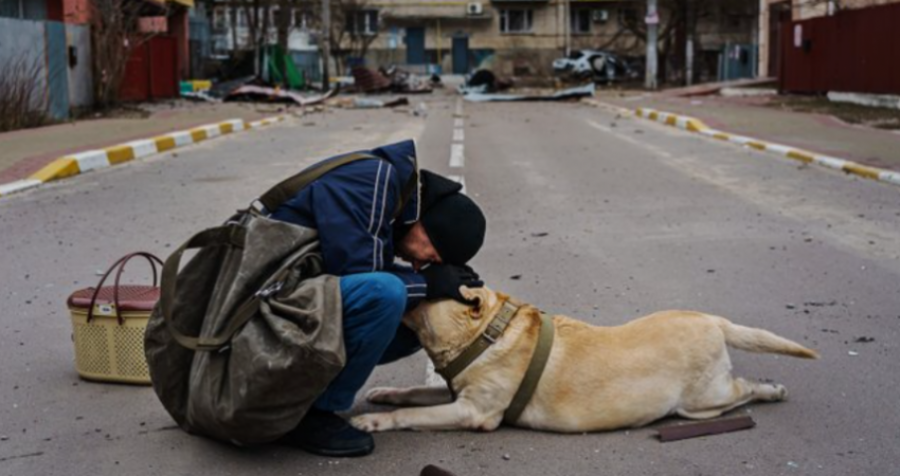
(108, 327)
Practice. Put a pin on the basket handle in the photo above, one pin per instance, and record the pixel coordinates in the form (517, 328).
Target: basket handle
(120, 264)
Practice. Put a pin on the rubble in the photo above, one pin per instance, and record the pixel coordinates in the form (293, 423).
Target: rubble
(573, 93)
(389, 80)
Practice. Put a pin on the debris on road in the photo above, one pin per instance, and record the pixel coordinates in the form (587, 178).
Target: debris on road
(484, 81)
(573, 93)
(367, 103)
(864, 339)
(432, 470)
(393, 79)
(254, 93)
(705, 428)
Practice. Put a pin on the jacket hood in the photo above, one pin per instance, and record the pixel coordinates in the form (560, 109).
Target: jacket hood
(402, 156)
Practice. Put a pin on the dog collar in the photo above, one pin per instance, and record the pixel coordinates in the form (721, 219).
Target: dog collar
(490, 335)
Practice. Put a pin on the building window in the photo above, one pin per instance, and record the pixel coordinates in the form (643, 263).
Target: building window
(516, 21)
(363, 22)
(220, 19)
(580, 21)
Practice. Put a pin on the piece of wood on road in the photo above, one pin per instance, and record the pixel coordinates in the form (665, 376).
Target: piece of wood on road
(705, 428)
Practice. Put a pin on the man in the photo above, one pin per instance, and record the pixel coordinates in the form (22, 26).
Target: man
(438, 230)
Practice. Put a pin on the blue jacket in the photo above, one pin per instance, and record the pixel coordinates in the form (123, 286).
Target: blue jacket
(352, 206)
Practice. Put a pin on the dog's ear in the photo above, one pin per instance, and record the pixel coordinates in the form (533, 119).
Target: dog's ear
(478, 297)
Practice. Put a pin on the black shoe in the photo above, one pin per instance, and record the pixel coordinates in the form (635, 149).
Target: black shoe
(324, 433)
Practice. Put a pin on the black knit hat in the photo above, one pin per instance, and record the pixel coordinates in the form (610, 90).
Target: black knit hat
(454, 223)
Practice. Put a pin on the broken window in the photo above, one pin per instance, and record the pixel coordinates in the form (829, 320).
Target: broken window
(516, 20)
(580, 21)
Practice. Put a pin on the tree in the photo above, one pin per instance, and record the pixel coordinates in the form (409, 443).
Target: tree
(114, 35)
(678, 24)
(354, 27)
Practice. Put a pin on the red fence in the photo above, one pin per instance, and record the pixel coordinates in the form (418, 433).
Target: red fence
(853, 51)
(152, 71)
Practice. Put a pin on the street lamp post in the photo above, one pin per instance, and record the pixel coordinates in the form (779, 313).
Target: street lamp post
(652, 21)
(326, 42)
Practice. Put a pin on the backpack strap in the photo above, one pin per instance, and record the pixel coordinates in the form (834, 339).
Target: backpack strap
(281, 193)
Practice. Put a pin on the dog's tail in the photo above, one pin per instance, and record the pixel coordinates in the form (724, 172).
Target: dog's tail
(762, 341)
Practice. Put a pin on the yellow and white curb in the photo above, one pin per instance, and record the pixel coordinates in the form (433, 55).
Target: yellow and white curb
(697, 126)
(82, 162)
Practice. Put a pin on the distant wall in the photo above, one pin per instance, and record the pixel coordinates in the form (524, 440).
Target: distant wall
(24, 39)
(64, 86)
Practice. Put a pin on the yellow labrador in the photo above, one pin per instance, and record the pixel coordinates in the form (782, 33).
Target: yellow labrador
(596, 378)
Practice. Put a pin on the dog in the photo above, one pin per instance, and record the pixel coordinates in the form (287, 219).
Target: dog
(595, 379)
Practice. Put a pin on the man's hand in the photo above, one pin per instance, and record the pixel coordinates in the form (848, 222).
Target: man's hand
(444, 281)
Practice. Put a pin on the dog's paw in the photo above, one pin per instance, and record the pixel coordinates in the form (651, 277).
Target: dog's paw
(772, 392)
(384, 395)
(373, 422)
(781, 392)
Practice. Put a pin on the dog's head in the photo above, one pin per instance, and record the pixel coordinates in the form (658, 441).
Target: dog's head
(444, 327)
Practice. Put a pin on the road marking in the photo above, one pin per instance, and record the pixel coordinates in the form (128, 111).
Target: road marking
(457, 156)
(459, 135)
(458, 123)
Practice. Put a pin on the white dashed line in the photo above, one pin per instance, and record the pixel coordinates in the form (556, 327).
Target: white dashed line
(457, 156)
(459, 135)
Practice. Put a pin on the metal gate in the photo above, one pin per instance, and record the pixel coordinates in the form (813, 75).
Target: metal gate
(152, 71)
(852, 51)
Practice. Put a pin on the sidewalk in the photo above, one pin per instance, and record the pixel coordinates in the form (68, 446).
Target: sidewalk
(27, 151)
(747, 116)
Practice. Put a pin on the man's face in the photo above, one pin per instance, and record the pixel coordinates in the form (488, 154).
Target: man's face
(417, 249)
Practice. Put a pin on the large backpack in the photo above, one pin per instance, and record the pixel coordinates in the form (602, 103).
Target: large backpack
(247, 336)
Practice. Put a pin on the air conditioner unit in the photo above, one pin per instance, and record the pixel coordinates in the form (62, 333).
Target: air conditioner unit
(600, 16)
(474, 8)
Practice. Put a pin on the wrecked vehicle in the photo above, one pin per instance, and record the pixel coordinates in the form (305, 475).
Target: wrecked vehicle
(602, 65)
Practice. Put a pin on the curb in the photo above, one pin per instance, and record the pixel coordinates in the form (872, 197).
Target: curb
(697, 126)
(86, 161)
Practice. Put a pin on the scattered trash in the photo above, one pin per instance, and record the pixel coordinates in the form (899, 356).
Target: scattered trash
(367, 103)
(254, 93)
(790, 306)
(392, 79)
(369, 81)
(573, 93)
(539, 235)
(484, 81)
(516, 277)
(202, 96)
(793, 464)
(864, 339)
(852, 353)
(705, 428)
(507, 457)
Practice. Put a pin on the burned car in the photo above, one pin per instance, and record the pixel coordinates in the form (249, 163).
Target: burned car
(601, 65)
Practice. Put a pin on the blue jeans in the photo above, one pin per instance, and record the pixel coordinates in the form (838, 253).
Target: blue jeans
(373, 305)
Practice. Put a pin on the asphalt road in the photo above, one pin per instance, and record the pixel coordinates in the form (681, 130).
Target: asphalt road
(593, 216)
